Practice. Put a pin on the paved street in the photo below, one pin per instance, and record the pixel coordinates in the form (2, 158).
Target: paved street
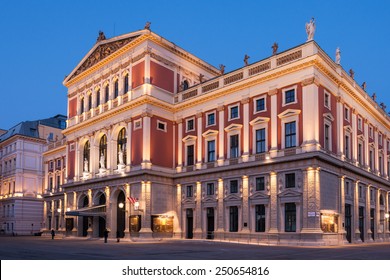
(43, 248)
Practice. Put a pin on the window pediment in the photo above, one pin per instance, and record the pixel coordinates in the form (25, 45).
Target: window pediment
(233, 127)
(259, 120)
(328, 116)
(348, 128)
(189, 138)
(288, 113)
(209, 133)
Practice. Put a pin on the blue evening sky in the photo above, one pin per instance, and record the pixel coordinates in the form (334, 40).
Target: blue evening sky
(42, 41)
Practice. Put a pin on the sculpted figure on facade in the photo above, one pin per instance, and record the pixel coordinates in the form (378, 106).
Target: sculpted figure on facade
(102, 165)
(101, 37)
(86, 165)
(222, 69)
(364, 86)
(310, 29)
(374, 96)
(201, 76)
(147, 25)
(120, 157)
(351, 73)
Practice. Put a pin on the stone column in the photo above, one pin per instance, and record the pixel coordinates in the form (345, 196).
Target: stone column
(199, 146)
(77, 161)
(311, 201)
(245, 204)
(273, 204)
(220, 214)
(107, 191)
(366, 145)
(310, 116)
(376, 154)
(274, 122)
(127, 210)
(367, 220)
(341, 211)
(245, 155)
(75, 220)
(379, 229)
(354, 137)
(385, 157)
(221, 135)
(198, 211)
(340, 127)
(178, 223)
(45, 225)
(146, 164)
(128, 148)
(146, 231)
(179, 123)
(356, 213)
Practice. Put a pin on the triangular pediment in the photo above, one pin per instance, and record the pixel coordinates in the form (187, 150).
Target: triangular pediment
(209, 199)
(289, 113)
(233, 126)
(209, 133)
(232, 197)
(289, 193)
(259, 195)
(102, 49)
(259, 120)
(189, 138)
(328, 116)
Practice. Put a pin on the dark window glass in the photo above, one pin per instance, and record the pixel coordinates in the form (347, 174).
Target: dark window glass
(260, 104)
(190, 125)
(161, 126)
(234, 186)
(327, 143)
(90, 102)
(290, 217)
(107, 93)
(260, 184)
(290, 133)
(190, 155)
(81, 105)
(122, 144)
(185, 85)
(289, 96)
(126, 83)
(211, 151)
(290, 180)
(260, 140)
(190, 191)
(234, 146)
(234, 112)
(211, 119)
(260, 218)
(233, 219)
(116, 89)
(97, 97)
(210, 189)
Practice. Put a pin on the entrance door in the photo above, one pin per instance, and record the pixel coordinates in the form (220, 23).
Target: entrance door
(348, 221)
(69, 225)
(190, 224)
(210, 223)
(85, 226)
(372, 223)
(102, 226)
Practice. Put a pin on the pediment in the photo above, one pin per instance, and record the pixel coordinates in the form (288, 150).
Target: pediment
(289, 193)
(328, 116)
(258, 195)
(209, 133)
(102, 49)
(259, 120)
(232, 197)
(288, 113)
(189, 138)
(233, 126)
(209, 199)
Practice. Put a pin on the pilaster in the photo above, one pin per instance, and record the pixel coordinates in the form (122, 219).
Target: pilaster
(221, 135)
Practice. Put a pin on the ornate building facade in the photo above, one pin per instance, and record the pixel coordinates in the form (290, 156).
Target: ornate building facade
(22, 174)
(288, 149)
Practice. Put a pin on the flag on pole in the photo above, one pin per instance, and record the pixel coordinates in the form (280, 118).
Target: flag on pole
(132, 199)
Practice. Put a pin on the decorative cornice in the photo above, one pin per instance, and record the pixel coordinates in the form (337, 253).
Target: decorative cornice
(272, 91)
(310, 81)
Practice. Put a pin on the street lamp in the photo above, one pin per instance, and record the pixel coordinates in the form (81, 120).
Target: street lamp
(136, 205)
(59, 210)
(387, 215)
(121, 205)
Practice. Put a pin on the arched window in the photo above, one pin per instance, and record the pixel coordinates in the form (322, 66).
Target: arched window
(185, 85)
(81, 105)
(103, 152)
(107, 93)
(86, 157)
(126, 83)
(98, 97)
(116, 89)
(90, 101)
(122, 141)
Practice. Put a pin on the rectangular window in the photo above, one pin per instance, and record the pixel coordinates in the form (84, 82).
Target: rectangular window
(346, 113)
(371, 160)
(290, 215)
(107, 93)
(126, 83)
(51, 184)
(289, 96)
(346, 188)
(360, 154)
(234, 112)
(260, 184)
(260, 104)
(58, 163)
(327, 100)
(371, 132)
(190, 125)
(137, 124)
(90, 102)
(347, 146)
(210, 189)
(116, 89)
(380, 139)
(190, 155)
(233, 219)
(161, 126)
(58, 183)
(234, 146)
(189, 191)
(260, 141)
(211, 151)
(360, 124)
(290, 134)
(290, 180)
(210, 119)
(234, 186)
(326, 135)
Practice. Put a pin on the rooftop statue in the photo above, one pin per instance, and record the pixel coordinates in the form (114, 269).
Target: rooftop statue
(222, 69)
(364, 86)
(310, 29)
(147, 25)
(246, 57)
(338, 55)
(351, 73)
(275, 47)
(374, 96)
(101, 37)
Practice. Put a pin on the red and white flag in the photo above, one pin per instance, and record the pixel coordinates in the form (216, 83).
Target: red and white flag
(132, 199)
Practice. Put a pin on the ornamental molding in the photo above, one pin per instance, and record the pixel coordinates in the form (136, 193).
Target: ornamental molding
(259, 120)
